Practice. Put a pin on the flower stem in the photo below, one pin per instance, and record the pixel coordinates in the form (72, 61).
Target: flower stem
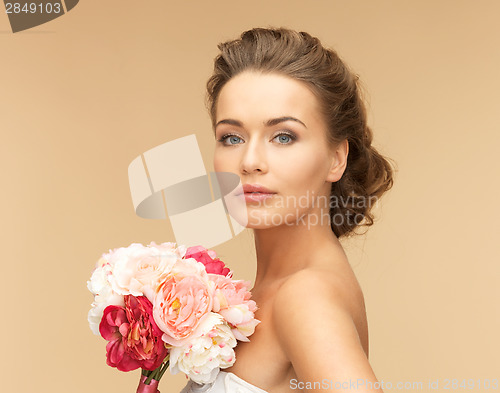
(150, 377)
(157, 373)
(162, 371)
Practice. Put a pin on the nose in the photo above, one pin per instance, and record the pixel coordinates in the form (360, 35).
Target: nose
(254, 158)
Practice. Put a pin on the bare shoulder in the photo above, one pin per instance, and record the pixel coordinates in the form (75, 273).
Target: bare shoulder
(319, 297)
(307, 287)
(320, 326)
(338, 289)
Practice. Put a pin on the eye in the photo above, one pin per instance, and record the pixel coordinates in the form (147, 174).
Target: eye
(284, 136)
(232, 137)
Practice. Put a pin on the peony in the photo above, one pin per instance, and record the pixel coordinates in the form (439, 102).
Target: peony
(169, 247)
(159, 302)
(241, 319)
(95, 314)
(134, 339)
(229, 292)
(204, 355)
(138, 270)
(208, 258)
(182, 300)
(104, 295)
(232, 301)
(99, 278)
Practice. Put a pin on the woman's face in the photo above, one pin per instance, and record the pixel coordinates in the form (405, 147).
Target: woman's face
(269, 132)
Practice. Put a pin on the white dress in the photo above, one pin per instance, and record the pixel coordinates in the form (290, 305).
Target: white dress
(226, 382)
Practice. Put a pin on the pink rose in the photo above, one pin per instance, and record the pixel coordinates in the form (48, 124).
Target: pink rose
(182, 301)
(208, 257)
(134, 338)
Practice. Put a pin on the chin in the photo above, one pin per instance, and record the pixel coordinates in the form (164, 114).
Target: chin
(263, 219)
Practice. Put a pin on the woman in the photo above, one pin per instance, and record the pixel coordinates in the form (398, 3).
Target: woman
(289, 120)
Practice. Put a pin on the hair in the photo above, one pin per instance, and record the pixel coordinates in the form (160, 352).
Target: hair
(301, 56)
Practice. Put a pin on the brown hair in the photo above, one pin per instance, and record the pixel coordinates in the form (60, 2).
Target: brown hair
(301, 56)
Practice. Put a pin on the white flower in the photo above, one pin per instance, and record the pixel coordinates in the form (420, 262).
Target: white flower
(241, 318)
(134, 270)
(96, 312)
(99, 279)
(210, 350)
(138, 270)
(168, 246)
(104, 295)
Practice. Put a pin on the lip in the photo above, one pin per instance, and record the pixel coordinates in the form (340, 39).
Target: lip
(256, 192)
(257, 196)
(256, 188)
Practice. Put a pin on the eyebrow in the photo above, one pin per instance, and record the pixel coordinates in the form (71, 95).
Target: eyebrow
(269, 123)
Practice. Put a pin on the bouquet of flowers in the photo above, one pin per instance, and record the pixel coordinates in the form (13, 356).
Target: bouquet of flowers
(160, 305)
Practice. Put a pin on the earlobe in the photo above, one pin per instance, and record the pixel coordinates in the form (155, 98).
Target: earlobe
(339, 162)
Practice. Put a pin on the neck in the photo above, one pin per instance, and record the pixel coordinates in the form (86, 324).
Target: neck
(286, 249)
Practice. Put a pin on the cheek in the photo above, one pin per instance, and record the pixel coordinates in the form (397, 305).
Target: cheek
(221, 162)
(216, 164)
(305, 171)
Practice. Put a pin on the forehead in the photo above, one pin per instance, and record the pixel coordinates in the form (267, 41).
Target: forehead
(251, 95)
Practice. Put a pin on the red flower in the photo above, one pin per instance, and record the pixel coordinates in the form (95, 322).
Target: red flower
(207, 257)
(134, 338)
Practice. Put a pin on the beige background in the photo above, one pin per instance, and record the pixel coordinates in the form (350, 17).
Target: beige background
(83, 95)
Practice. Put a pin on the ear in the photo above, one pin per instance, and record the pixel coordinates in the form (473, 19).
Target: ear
(339, 161)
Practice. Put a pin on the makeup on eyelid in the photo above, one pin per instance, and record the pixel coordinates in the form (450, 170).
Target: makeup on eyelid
(291, 135)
